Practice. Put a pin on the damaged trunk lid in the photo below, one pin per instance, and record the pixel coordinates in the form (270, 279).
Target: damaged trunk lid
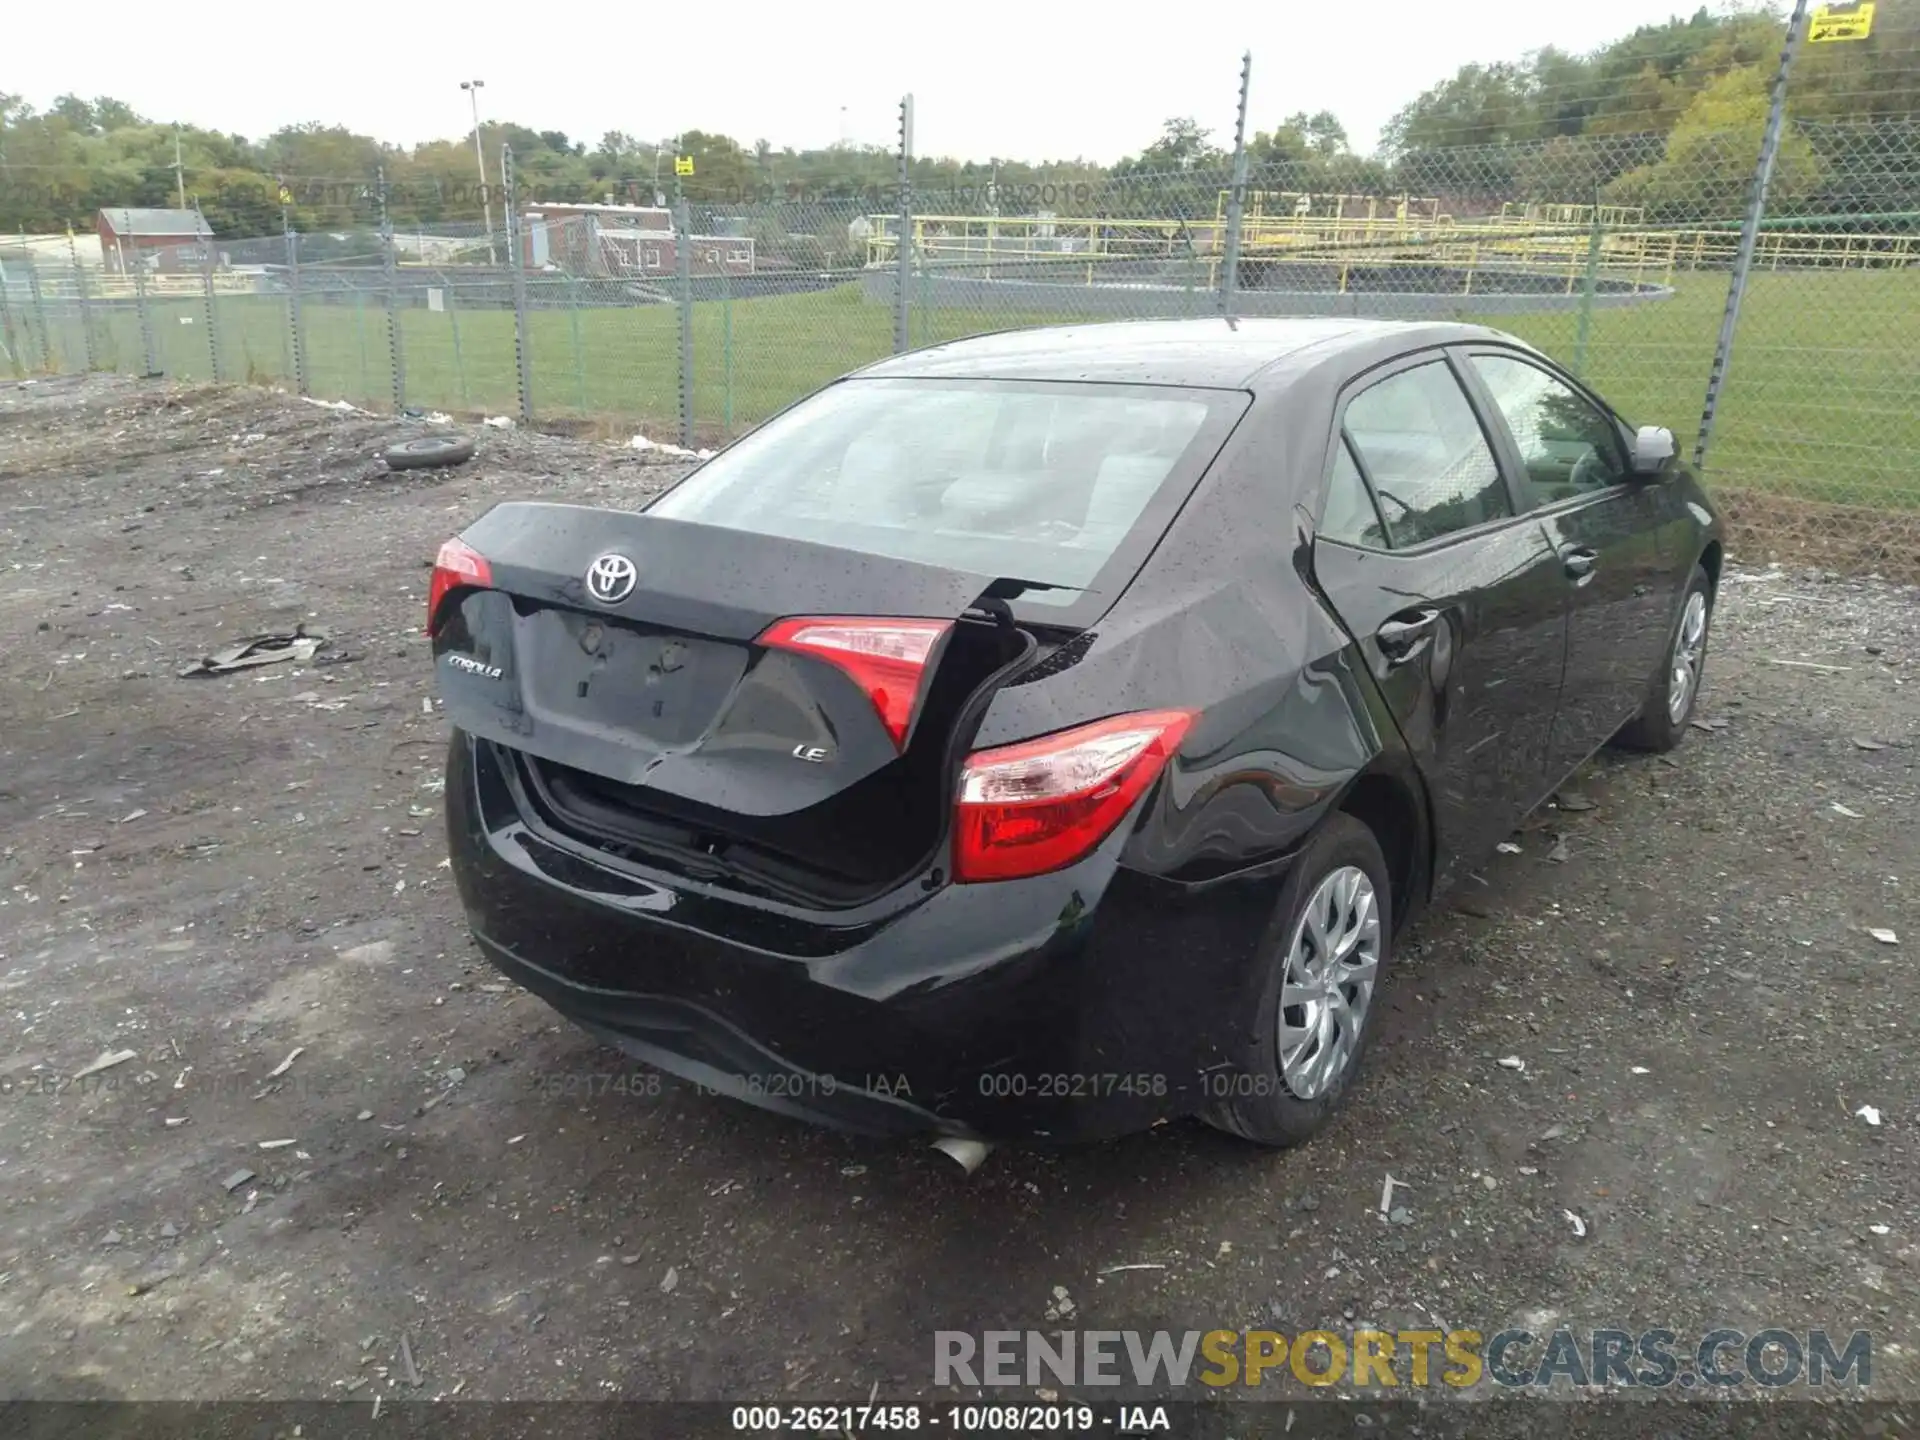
(728, 701)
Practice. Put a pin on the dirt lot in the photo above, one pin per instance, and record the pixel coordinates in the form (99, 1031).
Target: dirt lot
(219, 873)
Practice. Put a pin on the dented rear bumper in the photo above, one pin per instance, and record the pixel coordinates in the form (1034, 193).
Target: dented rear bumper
(1069, 1006)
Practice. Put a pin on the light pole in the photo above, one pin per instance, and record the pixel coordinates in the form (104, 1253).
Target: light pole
(472, 87)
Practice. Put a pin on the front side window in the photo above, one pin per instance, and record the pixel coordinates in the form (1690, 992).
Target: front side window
(1429, 461)
(1034, 480)
(1567, 446)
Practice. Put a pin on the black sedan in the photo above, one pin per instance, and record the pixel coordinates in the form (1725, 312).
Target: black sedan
(1047, 734)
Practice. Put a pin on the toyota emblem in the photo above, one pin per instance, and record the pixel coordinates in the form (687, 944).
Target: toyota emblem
(610, 579)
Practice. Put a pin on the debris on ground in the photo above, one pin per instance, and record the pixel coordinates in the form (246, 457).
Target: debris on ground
(1573, 801)
(1880, 1229)
(286, 1064)
(1869, 1113)
(234, 1181)
(1863, 742)
(406, 1358)
(1507, 847)
(1061, 1306)
(1885, 937)
(1840, 809)
(658, 447)
(499, 422)
(1809, 665)
(1559, 854)
(300, 646)
(1511, 1062)
(1579, 1225)
(1386, 1193)
(106, 1061)
(669, 1281)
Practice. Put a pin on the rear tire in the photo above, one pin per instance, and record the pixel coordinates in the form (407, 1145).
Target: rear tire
(1662, 722)
(1275, 1097)
(428, 451)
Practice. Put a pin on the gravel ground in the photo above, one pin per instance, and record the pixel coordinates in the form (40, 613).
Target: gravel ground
(224, 874)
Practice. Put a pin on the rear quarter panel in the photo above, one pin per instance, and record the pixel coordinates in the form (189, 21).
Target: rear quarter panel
(1221, 620)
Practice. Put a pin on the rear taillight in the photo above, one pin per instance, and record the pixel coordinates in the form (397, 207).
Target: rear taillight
(458, 564)
(885, 658)
(1042, 804)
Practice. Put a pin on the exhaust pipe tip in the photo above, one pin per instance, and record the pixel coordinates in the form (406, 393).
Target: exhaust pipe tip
(967, 1153)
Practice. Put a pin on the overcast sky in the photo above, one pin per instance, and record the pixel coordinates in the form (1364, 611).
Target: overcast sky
(1037, 81)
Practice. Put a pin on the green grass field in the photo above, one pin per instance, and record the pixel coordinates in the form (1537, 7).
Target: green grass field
(1821, 400)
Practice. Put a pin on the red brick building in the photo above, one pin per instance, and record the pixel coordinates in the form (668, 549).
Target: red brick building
(164, 241)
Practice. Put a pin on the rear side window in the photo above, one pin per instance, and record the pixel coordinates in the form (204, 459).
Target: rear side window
(1034, 480)
(1429, 461)
(1350, 516)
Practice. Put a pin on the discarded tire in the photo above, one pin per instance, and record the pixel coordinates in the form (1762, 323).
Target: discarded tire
(428, 451)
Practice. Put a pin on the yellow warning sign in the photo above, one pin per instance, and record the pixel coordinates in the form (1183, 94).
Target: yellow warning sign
(286, 196)
(683, 164)
(1841, 22)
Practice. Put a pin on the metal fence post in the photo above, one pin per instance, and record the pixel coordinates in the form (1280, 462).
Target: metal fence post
(295, 318)
(683, 287)
(523, 356)
(396, 354)
(10, 343)
(903, 257)
(726, 352)
(147, 356)
(1589, 287)
(1236, 198)
(579, 354)
(459, 361)
(40, 315)
(80, 299)
(206, 294)
(1750, 231)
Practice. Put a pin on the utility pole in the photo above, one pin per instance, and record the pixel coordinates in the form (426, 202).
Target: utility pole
(179, 170)
(472, 87)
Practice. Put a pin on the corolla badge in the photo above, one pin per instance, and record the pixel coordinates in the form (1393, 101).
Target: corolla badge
(474, 667)
(611, 578)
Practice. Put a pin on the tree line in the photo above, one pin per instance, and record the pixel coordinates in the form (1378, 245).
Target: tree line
(1668, 118)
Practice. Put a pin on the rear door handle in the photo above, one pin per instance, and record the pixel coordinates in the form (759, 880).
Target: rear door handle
(1401, 637)
(1580, 563)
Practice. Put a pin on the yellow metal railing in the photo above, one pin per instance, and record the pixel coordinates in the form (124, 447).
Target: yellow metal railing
(1557, 239)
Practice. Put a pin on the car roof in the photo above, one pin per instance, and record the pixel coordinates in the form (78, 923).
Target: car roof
(1215, 352)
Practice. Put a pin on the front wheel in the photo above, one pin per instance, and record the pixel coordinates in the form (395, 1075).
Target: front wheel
(1662, 722)
(1323, 957)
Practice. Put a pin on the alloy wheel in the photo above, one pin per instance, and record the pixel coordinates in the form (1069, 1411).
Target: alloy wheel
(1689, 649)
(1333, 959)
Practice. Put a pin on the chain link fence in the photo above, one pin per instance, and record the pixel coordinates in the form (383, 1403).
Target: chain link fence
(691, 322)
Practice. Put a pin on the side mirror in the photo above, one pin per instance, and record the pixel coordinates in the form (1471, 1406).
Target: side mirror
(1653, 450)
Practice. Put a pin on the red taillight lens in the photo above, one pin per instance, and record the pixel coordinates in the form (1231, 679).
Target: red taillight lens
(885, 658)
(456, 565)
(1042, 804)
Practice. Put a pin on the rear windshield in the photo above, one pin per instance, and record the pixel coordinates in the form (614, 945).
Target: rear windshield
(1034, 481)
